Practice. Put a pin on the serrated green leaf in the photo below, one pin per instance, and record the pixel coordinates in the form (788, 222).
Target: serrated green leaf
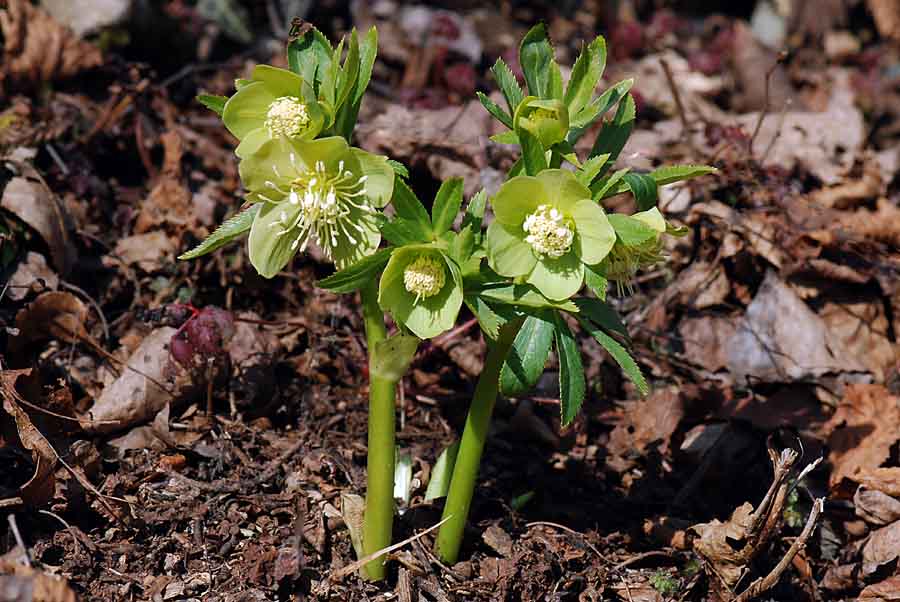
(310, 56)
(571, 371)
(488, 319)
(619, 354)
(533, 157)
(229, 230)
(596, 281)
(399, 169)
(644, 189)
(614, 134)
(408, 207)
(536, 59)
(494, 109)
(630, 231)
(439, 484)
(446, 205)
(523, 295)
(676, 173)
(600, 105)
(401, 232)
(600, 313)
(357, 275)
(609, 185)
(461, 245)
(527, 356)
(590, 169)
(345, 120)
(213, 103)
(509, 85)
(475, 211)
(586, 73)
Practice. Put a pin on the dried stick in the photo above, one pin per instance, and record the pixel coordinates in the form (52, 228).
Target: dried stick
(782, 56)
(682, 114)
(764, 583)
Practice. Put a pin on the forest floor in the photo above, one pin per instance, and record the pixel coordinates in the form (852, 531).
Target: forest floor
(773, 325)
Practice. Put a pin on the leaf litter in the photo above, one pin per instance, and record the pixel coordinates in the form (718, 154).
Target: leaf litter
(777, 317)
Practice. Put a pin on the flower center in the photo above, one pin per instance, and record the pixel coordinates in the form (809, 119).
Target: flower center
(549, 232)
(287, 117)
(425, 277)
(326, 202)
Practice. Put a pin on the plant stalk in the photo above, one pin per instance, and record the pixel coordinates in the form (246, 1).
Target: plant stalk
(379, 512)
(471, 447)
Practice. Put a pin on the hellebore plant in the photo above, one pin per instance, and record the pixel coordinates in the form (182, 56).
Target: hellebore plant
(521, 277)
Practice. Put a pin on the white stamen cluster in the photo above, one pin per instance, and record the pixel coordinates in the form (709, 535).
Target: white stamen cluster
(287, 117)
(424, 277)
(326, 201)
(548, 232)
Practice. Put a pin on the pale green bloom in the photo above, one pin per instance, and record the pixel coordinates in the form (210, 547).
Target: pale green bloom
(546, 120)
(422, 289)
(320, 190)
(271, 105)
(638, 245)
(545, 229)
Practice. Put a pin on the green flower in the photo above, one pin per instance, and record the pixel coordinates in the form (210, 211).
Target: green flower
(638, 245)
(422, 288)
(322, 190)
(271, 105)
(545, 229)
(546, 120)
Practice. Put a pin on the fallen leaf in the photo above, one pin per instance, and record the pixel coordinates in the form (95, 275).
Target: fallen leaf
(863, 330)
(886, 480)
(136, 395)
(647, 423)
(29, 199)
(876, 507)
(85, 16)
(861, 431)
(498, 540)
(38, 50)
(148, 251)
(883, 547)
(752, 62)
(722, 543)
(31, 275)
(40, 487)
(31, 585)
(884, 591)
(54, 314)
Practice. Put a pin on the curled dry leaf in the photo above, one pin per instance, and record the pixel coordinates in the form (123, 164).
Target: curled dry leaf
(37, 49)
(861, 432)
(31, 275)
(137, 395)
(29, 199)
(149, 251)
(876, 507)
(54, 314)
(886, 480)
(884, 591)
(39, 488)
(647, 423)
(883, 547)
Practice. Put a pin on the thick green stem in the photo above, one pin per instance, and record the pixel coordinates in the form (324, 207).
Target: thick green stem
(465, 472)
(379, 513)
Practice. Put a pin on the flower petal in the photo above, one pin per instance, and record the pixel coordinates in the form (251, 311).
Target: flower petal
(594, 233)
(379, 177)
(365, 242)
(251, 142)
(269, 250)
(558, 279)
(246, 110)
(508, 253)
(330, 151)
(653, 218)
(518, 198)
(279, 82)
(268, 172)
(563, 189)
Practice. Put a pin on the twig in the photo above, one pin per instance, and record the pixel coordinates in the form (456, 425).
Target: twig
(93, 304)
(764, 583)
(11, 519)
(355, 566)
(678, 105)
(11, 502)
(782, 56)
(78, 544)
(581, 536)
(640, 557)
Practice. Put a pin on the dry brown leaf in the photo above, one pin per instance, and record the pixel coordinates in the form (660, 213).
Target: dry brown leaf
(136, 396)
(863, 330)
(887, 17)
(30, 585)
(149, 251)
(883, 547)
(716, 541)
(31, 275)
(55, 314)
(40, 487)
(646, 422)
(861, 432)
(29, 199)
(884, 591)
(169, 202)
(876, 507)
(886, 480)
(37, 49)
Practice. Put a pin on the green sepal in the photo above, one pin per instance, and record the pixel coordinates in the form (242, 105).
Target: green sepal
(229, 230)
(596, 281)
(571, 371)
(407, 206)
(527, 356)
(357, 275)
(392, 356)
(213, 102)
